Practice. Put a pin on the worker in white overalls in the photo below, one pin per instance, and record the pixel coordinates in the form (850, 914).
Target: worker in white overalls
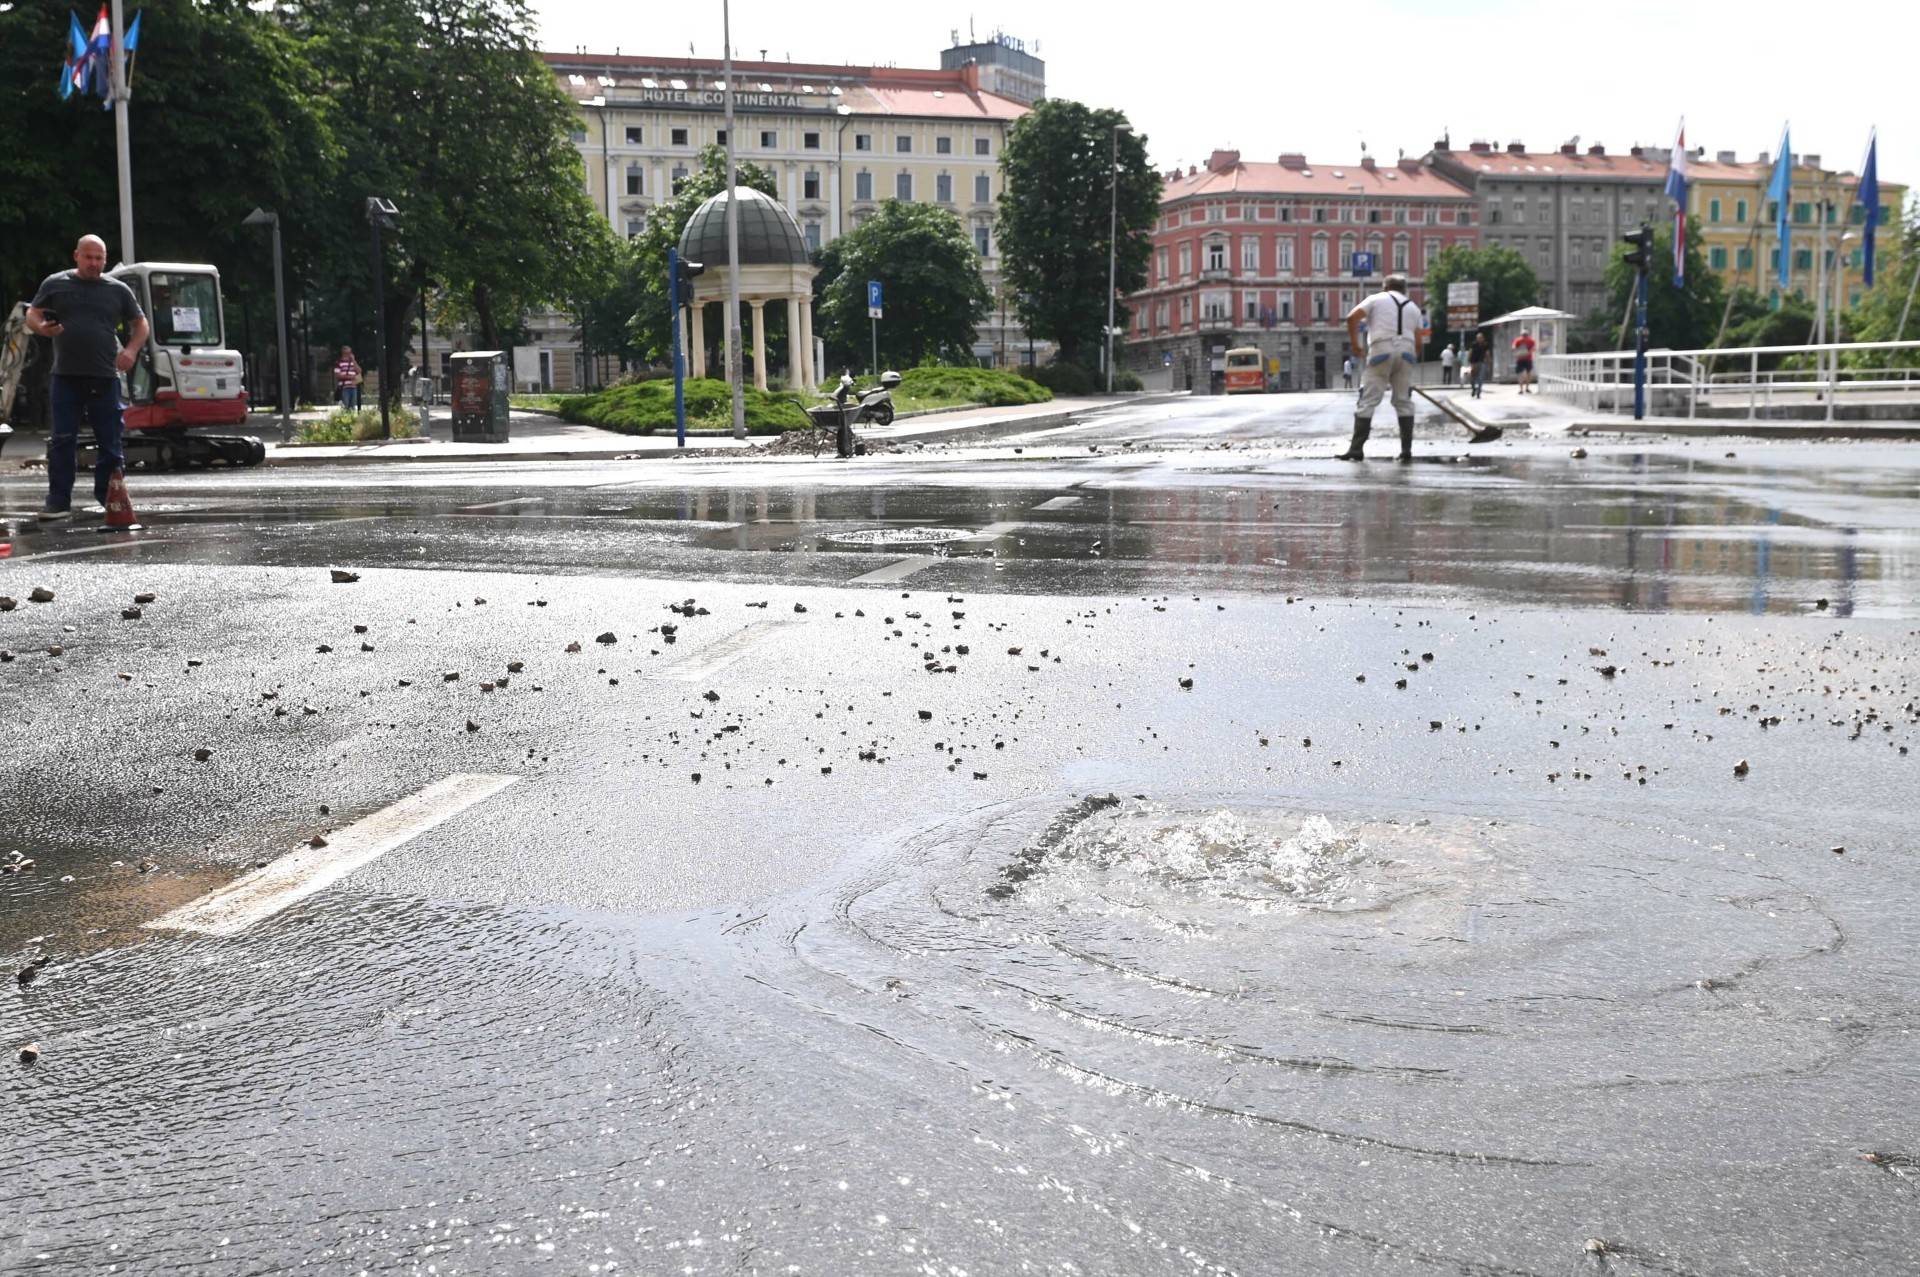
(1395, 328)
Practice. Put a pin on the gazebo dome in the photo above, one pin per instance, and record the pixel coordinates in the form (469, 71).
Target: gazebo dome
(768, 234)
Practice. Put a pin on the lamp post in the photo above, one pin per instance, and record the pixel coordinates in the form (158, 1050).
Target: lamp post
(735, 387)
(260, 217)
(381, 214)
(1113, 223)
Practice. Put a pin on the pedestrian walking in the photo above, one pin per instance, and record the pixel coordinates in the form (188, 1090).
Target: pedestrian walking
(346, 379)
(1449, 358)
(82, 310)
(1346, 372)
(1523, 347)
(1477, 356)
(1395, 328)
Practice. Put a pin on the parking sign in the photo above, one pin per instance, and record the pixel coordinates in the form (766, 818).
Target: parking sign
(873, 299)
(1362, 265)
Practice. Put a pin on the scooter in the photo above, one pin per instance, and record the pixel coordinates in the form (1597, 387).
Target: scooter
(876, 402)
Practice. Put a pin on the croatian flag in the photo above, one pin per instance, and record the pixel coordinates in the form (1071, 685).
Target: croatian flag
(1677, 192)
(1869, 196)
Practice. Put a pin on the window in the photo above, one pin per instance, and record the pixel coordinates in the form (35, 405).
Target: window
(1740, 212)
(1803, 212)
(982, 189)
(576, 136)
(1373, 216)
(1186, 260)
(634, 135)
(943, 146)
(813, 237)
(1713, 210)
(1250, 307)
(863, 141)
(1186, 309)
(1577, 254)
(1320, 256)
(719, 137)
(1519, 212)
(769, 138)
(982, 146)
(1399, 217)
(903, 187)
(1319, 214)
(1214, 306)
(679, 177)
(810, 141)
(1429, 251)
(1545, 208)
(863, 186)
(1320, 306)
(1744, 259)
(1856, 259)
(943, 188)
(1493, 212)
(1286, 308)
(1400, 249)
(1215, 213)
(1773, 210)
(1217, 255)
(679, 137)
(983, 240)
(1286, 214)
(635, 177)
(1577, 211)
(810, 186)
(1803, 259)
(1283, 255)
(635, 225)
(903, 143)
(1160, 264)
(1346, 254)
(1717, 258)
(1249, 255)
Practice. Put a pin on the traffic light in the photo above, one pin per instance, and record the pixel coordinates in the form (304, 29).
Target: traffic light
(1642, 255)
(683, 286)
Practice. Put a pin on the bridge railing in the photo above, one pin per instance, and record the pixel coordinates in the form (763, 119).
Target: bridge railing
(1810, 376)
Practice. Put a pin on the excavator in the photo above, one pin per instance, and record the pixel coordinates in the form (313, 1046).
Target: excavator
(186, 380)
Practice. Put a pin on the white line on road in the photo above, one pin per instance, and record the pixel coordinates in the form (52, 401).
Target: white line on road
(717, 655)
(293, 877)
(495, 505)
(896, 571)
(89, 549)
(1059, 503)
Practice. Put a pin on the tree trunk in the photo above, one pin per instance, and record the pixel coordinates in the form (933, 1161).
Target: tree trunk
(483, 311)
(393, 360)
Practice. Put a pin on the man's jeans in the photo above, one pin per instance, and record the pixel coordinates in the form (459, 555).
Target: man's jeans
(98, 400)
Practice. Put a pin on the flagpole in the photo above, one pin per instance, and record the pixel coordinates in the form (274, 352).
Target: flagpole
(735, 385)
(123, 150)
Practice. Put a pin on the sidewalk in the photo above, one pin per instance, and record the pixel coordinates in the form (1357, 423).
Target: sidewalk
(1546, 417)
(539, 436)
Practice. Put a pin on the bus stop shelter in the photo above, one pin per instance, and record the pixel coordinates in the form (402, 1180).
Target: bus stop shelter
(1546, 326)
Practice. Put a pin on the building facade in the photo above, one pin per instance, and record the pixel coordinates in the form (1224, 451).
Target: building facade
(837, 139)
(1739, 233)
(1563, 211)
(1258, 254)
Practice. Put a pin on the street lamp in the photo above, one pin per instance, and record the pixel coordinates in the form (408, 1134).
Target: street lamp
(1113, 222)
(260, 217)
(381, 215)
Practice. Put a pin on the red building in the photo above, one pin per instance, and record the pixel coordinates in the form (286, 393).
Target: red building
(1262, 255)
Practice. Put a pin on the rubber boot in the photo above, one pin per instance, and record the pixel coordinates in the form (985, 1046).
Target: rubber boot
(1361, 429)
(1406, 440)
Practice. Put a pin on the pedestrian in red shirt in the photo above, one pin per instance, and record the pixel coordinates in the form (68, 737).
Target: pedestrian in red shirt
(1523, 360)
(346, 379)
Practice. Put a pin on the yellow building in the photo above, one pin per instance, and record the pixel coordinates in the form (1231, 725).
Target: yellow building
(1738, 227)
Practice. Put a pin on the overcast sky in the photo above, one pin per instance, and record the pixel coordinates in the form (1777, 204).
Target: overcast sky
(1289, 75)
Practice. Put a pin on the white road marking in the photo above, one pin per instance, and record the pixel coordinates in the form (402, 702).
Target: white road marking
(721, 653)
(90, 549)
(253, 897)
(897, 571)
(1059, 503)
(992, 531)
(495, 505)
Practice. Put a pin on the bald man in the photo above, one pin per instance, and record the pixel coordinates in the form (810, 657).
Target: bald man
(82, 310)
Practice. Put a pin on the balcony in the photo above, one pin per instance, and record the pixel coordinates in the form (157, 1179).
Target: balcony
(1215, 324)
(1215, 273)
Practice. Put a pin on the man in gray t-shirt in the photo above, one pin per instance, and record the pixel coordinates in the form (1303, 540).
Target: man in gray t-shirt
(82, 311)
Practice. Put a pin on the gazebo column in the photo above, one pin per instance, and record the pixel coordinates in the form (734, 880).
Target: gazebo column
(796, 375)
(810, 379)
(698, 337)
(759, 344)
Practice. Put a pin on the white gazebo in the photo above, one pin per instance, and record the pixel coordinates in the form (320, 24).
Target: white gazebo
(774, 266)
(1545, 325)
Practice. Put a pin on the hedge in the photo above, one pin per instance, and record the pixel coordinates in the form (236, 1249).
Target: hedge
(639, 407)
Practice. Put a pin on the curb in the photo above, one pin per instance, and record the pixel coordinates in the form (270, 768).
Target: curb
(1891, 431)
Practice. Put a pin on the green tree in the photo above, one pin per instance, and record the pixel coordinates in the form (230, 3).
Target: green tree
(445, 108)
(227, 113)
(935, 296)
(1685, 318)
(642, 279)
(1879, 314)
(1058, 165)
(1507, 284)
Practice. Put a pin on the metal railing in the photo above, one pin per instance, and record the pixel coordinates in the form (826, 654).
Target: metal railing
(1818, 375)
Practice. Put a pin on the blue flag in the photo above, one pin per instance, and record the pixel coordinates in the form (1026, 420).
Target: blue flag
(76, 53)
(1869, 194)
(1780, 190)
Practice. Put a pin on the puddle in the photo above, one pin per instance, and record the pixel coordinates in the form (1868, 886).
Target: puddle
(899, 536)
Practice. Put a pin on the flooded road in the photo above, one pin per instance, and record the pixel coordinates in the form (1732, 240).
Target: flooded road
(865, 878)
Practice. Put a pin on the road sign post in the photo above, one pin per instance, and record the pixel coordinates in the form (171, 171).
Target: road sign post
(1463, 306)
(873, 318)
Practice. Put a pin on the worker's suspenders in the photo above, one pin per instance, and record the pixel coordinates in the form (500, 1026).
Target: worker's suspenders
(1400, 315)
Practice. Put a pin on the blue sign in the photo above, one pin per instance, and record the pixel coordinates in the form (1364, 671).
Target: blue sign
(1166, 360)
(873, 298)
(1362, 265)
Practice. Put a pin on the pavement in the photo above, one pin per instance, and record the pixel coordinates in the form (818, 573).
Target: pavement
(1136, 846)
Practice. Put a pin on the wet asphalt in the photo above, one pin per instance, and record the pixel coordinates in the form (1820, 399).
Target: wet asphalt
(1170, 857)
